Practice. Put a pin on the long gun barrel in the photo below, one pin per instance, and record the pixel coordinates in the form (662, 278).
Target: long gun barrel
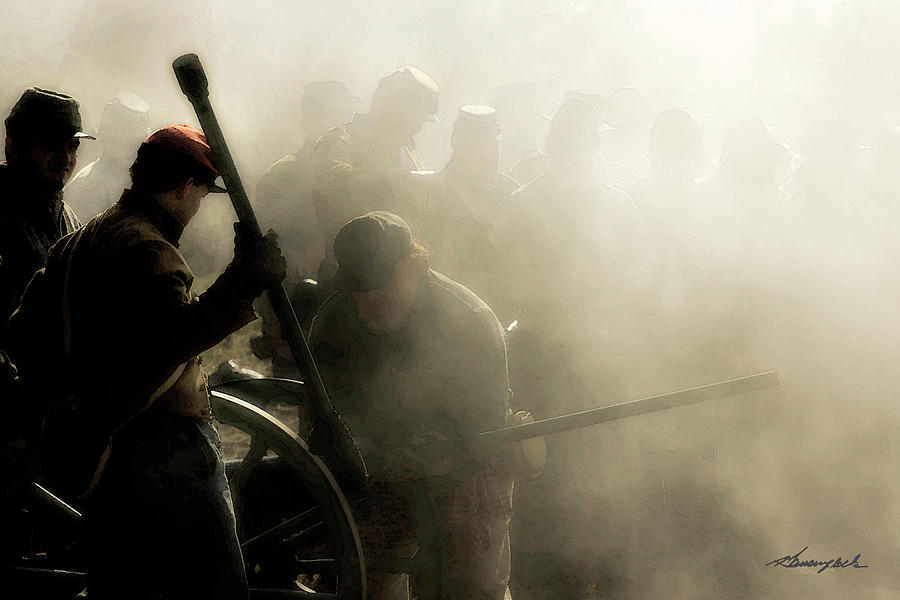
(331, 437)
(642, 406)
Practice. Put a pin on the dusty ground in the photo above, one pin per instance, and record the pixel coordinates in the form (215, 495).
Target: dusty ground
(237, 348)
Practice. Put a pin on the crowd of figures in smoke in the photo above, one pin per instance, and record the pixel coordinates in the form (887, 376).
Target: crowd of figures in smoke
(640, 242)
(635, 255)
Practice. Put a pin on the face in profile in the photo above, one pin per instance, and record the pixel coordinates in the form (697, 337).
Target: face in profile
(194, 192)
(184, 202)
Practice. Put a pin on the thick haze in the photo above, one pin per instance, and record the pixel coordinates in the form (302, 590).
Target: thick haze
(691, 503)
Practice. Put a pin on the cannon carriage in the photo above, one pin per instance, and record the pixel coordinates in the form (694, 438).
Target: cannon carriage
(296, 525)
(297, 522)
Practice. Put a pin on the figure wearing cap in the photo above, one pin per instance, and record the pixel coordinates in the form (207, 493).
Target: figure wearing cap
(128, 341)
(534, 164)
(750, 235)
(574, 264)
(676, 206)
(568, 227)
(124, 123)
(284, 196)
(674, 203)
(463, 200)
(751, 209)
(365, 165)
(43, 131)
(410, 358)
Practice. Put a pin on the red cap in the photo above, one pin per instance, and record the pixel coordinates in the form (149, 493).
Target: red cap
(185, 140)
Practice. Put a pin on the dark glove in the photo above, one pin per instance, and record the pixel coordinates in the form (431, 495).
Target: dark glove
(258, 263)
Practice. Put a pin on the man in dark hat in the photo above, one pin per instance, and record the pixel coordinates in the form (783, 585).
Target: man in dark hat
(43, 131)
(463, 201)
(113, 309)
(411, 358)
(365, 165)
(573, 260)
(534, 164)
(599, 223)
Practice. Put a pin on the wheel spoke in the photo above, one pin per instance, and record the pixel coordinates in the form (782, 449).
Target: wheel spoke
(259, 594)
(308, 536)
(319, 541)
(284, 531)
(317, 565)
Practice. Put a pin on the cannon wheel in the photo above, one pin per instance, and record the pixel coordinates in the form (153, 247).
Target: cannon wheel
(425, 567)
(317, 539)
(312, 534)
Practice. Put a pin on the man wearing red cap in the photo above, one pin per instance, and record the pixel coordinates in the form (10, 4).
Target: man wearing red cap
(158, 512)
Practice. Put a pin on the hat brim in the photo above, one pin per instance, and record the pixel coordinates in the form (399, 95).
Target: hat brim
(83, 136)
(217, 189)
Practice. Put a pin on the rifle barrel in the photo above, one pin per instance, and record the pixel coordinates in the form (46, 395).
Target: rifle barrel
(594, 416)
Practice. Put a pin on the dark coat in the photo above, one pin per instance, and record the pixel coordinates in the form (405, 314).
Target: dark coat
(133, 319)
(30, 223)
(443, 375)
(443, 371)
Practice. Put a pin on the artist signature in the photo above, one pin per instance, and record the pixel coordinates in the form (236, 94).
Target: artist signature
(792, 561)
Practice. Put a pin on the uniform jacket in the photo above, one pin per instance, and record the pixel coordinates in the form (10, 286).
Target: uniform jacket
(356, 171)
(30, 223)
(459, 223)
(443, 374)
(134, 322)
(444, 371)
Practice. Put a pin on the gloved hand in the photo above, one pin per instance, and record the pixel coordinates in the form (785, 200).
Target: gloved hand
(258, 263)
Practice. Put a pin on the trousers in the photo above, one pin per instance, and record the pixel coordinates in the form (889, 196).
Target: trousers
(160, 524)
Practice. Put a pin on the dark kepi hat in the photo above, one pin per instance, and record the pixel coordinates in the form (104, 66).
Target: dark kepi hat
(367, 249)
(190, 143)
(45, 114)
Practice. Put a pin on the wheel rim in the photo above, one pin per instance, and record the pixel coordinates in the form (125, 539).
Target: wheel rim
(299, 538)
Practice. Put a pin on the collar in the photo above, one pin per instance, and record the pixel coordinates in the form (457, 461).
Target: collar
(168, 226)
